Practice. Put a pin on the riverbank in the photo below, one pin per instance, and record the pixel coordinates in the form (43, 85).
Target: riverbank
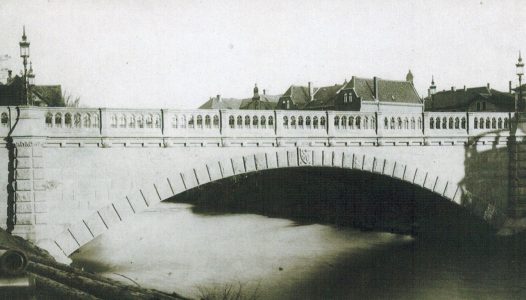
(53, 280)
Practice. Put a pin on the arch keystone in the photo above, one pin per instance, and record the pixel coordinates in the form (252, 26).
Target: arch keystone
(304, 157)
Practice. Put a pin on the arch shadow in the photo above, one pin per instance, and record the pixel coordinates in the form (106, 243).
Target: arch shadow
(297, 158)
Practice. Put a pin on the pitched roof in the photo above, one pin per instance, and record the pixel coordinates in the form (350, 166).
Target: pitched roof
(324, 97)
(265, 102)
(298, 94)
(388, 90)
(463, 97)
(51, 95)
(225, 103)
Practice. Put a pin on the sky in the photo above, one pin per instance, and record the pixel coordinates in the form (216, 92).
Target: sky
(177, 54)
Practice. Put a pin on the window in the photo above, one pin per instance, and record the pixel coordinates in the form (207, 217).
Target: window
(86, 121)
(77, 120)
(293, 121)
(149, 121)
(270, 121)
(406, 123)
(122, 121)
(239, 121)
(58, 120)
(315, 122)
(247, 121)
(263, 121)
(432, 123)
(231, 121)
(4, 119)
(255, 121)
(190, 121)
(95, 123)
(300, 121)
(499, 123)
(322, 122)
(450, 123)
(344, 121)
(208, 122)
(49, 119)
(182, 121)
(131, 122)
(67, 120)
(493, 123)
(365, 123)
(216, 121)
(351, 122)
(140, 121)
(393, 123)
(413, 123)
(199, 121)
(386, 123)
(457, 123)
(463, 123)
(358, 122)
(475, 123)
(285, 121)
(336, 121)
(307, 121)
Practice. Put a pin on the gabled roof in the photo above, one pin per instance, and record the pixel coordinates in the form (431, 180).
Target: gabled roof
(225, 103)
(265, 102)
(388, 90)
(298, 94)
(463, 97)
(51, 95)
(324, 97)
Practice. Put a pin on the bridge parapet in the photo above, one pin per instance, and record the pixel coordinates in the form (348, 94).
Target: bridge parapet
(169, 123)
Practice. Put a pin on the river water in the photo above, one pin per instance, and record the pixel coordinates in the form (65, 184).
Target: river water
(195, 254)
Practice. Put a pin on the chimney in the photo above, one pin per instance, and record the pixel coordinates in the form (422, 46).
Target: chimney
(509, 84)
(487, 85)
(218, 97)
(453, 89)
(375, 87)
(464, 88)
(311, 93)
(264, 92)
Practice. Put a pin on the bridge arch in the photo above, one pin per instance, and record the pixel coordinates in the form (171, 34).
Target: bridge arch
(80, 233)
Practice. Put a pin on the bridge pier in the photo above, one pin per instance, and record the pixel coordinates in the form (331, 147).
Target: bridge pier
(517, 168)
(27, 209)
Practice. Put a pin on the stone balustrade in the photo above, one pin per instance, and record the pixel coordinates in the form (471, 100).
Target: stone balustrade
(110, 122)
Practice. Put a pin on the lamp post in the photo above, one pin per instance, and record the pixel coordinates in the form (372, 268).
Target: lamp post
(24, 54)
(30, 83)
(520, 72)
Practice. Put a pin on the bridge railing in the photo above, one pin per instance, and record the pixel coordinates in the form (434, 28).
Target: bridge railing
(446, 123)
(110, 122)
(486, 123)
(400, 124)
(241, 123)
(345, 123)
(301, 123)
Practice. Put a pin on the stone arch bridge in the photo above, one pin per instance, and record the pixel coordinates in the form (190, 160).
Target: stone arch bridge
(71, 174)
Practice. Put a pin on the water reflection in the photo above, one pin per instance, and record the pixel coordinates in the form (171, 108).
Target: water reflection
(295, 240)
(182, 251)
